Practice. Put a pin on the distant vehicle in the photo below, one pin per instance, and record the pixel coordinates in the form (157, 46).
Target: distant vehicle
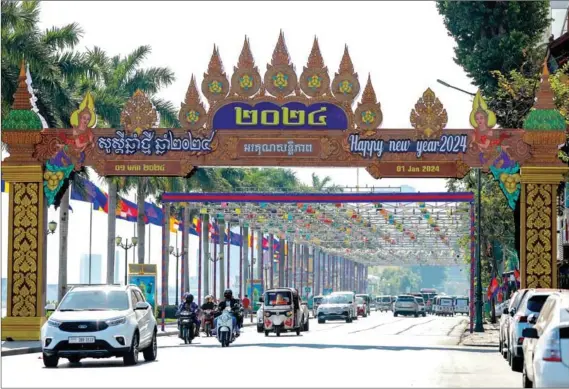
(532, 303)
(362, 307)
(367, 300)
(443, 306)
(100, 321)
(428, 293)
(546, 345)
(352, 298)
(336, 307)
(406, 305)
(507, 314)
(461, 305)
(372, 303)
(284, 312)
(316, 303)
(385, 303)
(422, 308)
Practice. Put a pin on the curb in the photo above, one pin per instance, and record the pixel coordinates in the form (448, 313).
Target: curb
(37, 349)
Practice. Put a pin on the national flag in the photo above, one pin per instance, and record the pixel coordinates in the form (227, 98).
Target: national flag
(492, 288)
(174, 224)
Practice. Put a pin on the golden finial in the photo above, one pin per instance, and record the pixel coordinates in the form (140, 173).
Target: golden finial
(545, 96)
(280, 54)
(346, 65)
(315, 60)
(246, 60)
(215, 66)
(369, 93)
(22, 96)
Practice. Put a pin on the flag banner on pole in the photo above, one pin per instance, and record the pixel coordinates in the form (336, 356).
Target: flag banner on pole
(5, 187)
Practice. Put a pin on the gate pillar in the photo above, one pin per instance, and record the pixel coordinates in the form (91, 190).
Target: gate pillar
(27, 216)
(545, 129)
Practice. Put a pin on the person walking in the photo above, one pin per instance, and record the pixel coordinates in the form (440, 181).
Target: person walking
(246, 305)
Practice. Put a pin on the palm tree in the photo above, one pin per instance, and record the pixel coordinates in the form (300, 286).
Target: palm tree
(53, 63)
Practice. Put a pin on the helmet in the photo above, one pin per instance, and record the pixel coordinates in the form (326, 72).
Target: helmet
(228, 294)
(189, 298)
(208, 298)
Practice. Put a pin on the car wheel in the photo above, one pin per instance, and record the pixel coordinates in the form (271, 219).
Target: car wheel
(395, 314)
(321, 321)
(307, 326)
(525, 380)
(500, 345)
(131, 357)
(151, 351)
(349, 320)
(424, 314)
(517, 364)
(50, 360)
(297, 332)
(259, 329)
(266, 333)
(416, 314)
(74, 359)
(278, 331)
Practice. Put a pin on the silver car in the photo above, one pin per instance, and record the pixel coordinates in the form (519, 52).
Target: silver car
(406, 305)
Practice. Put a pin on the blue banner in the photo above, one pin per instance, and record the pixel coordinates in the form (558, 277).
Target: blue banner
(147, 284)
(255, 292)
(289, 116)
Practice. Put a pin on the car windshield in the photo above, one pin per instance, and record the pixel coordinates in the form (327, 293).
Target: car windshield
(535, 303)
(95, 300)
(446, 301)
(338, 299)
(278, 298)
(386, 299)
(317, 300)
(360, 300)
(405, 299)
(420, 300)
(461, 302)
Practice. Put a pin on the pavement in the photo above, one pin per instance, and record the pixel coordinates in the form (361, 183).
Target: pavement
(377, 351)
(488, 338)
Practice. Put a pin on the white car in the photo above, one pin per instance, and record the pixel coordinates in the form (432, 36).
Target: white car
(532, 302)
(351, 296)
(546, 345)
(100, 322)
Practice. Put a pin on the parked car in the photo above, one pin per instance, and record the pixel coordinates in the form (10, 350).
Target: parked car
(362, 307)
(546, 345)
(508, 313)
(406, 305)
(100, 322)
(531, 303)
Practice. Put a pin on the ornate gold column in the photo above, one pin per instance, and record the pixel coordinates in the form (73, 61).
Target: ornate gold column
(544, 131)
(26, 219)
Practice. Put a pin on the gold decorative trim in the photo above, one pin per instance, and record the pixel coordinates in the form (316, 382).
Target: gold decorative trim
(22, 173)
(22, 328)
(547, 174)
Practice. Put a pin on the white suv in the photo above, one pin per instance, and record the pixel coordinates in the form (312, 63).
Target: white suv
(100, 322)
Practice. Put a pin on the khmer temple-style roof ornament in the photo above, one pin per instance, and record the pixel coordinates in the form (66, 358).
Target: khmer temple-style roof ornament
(215, 85)
(314, 80)
(346, 85)
(139, 114)
(429, 117)
(368, 115)
(193, 114)
(246, 79)
(280, 78)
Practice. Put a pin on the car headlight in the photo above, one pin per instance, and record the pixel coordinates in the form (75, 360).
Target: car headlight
(267, 314)
(288, 314)
(53, 323)
(116, 321)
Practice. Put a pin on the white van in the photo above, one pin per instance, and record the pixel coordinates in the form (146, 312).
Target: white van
(352, 299)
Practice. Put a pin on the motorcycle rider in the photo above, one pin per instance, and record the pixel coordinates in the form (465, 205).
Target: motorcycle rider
(188, 305)
(234, 304)
(209, 305)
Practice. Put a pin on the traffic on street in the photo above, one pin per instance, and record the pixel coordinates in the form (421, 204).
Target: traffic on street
(377, 351)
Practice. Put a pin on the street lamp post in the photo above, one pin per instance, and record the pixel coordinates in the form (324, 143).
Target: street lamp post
(51, 227)
(177, 253)
(214, 261)
(266, 268)
(126, 246)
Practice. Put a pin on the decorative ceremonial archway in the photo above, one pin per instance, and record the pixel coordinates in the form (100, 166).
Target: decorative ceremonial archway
(280, 119)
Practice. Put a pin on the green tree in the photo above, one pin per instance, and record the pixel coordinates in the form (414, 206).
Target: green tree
(54, 64)
(431, 276)
(494, 35)
(397, 280)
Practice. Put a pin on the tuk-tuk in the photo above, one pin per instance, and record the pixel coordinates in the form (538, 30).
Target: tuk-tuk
(443, 306)
(283, 312)
(316, 303)
(367, 299)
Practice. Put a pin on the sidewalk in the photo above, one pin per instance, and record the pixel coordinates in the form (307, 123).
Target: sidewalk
(10, 348)
(488, 338)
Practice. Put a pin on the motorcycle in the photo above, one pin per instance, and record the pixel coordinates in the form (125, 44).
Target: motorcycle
(208, 322)
(225, 331)
(186, 324)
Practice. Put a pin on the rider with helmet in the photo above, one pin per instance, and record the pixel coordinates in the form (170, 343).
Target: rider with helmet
(209, 304)
(188, 304)
(234, 304)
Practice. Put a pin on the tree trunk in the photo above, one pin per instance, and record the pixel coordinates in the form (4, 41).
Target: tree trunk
(111, 228)
(140, 197)
(63, 230)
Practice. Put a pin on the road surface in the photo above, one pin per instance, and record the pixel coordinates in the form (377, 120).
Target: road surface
(377, 351)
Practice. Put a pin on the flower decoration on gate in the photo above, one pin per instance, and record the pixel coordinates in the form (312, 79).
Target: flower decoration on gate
(280, 80)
